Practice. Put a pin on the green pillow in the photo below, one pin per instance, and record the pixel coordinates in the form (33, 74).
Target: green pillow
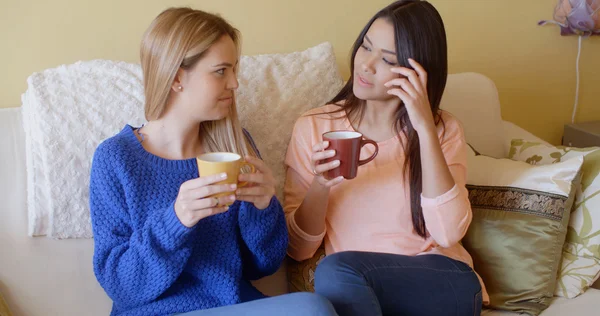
(520, 218)
(581, 252)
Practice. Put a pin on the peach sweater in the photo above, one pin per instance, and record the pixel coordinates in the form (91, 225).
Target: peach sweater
(372, 212)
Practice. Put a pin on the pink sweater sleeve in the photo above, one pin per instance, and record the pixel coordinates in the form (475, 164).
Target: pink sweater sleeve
(447, 217)
(299, 176)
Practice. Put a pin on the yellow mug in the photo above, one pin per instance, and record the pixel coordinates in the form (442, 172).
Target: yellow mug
(231, 163)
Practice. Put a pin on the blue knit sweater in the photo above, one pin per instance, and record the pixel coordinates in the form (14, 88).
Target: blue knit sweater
(147, 261)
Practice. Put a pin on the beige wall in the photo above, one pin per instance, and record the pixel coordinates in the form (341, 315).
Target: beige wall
(532, 66)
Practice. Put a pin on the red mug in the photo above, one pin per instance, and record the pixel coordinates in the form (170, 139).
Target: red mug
(347, 146)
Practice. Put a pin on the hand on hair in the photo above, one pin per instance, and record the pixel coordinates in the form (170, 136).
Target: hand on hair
(412, 90)
(261, 187)
(319, 154)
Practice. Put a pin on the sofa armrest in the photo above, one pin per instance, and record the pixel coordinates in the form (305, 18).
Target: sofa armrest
(512, 131)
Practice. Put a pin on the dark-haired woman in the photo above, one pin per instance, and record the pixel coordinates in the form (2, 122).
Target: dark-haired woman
(392, 234)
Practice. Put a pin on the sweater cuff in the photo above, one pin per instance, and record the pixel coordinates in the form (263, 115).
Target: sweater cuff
(173, 225)
(302, 234)
(439, 200)
(253, 213)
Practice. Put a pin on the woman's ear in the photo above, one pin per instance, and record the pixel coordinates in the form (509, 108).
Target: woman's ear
(177, 85)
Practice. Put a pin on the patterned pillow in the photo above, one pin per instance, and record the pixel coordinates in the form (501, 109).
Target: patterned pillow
(581, 252)
(520, 219)
(301, 275)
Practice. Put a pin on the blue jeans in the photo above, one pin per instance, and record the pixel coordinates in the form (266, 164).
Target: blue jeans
(366, 283)
(296, 304)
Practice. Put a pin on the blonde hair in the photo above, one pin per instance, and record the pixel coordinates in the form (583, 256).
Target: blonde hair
(178, 38)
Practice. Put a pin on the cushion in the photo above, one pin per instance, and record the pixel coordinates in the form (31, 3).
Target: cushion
(66, 112)
(69, 110)
(520, 217)
(581, 252)
(586, 304)
(276, 89)
(301, 275)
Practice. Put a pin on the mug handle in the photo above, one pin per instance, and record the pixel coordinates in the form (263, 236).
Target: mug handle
(364, 142)
(244, 163)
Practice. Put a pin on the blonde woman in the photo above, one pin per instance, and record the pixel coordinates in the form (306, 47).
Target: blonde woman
(162, 244)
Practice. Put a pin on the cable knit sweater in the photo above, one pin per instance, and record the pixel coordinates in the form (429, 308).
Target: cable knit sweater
(148, 262)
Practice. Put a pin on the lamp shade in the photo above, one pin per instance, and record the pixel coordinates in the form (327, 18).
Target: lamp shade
(577, 17)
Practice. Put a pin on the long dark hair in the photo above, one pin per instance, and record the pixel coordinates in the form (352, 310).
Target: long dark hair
(419, 34)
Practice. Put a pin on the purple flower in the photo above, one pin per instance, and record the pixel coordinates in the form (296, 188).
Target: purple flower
(579, 17)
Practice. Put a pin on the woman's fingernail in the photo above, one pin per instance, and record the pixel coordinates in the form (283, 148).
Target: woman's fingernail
(223, 175)
(233, 186)
(336, 163)
(231, 198)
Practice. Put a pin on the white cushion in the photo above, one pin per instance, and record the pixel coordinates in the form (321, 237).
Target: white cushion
(276, 89)
(66, 112)
(491, 172)
(473, 99)
(69, 110)
(39, 276)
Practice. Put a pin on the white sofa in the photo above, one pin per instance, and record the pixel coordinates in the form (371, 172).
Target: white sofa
(42, 276)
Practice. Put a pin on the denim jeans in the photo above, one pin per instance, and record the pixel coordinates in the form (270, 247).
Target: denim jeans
(366, 283)
(296, 304)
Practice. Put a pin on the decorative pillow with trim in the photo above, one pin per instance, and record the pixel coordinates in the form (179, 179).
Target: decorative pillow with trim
(520, 218)
(581, 252)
